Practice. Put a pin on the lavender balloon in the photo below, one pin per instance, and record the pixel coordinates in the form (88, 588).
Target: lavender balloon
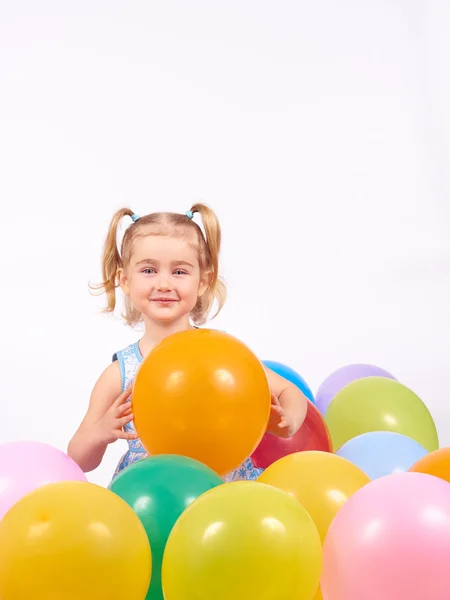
(343, 376)
(25, 466)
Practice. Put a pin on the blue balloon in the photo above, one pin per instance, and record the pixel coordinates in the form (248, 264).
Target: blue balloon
(380, 453)
(291, 376)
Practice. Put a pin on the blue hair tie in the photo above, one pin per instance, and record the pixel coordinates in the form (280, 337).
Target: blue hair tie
(134, 217)
(190, 214)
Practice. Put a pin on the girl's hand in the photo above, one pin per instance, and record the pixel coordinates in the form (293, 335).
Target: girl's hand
(279, 422)
(109, 428)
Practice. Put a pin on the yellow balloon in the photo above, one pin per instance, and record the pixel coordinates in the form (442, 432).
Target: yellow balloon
(239, 541)
(320, 481)
(73, 541)
(318, 595)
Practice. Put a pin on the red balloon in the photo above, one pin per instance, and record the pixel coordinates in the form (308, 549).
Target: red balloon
(312, 435)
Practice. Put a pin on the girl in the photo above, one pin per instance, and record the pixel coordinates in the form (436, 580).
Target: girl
(168, 270)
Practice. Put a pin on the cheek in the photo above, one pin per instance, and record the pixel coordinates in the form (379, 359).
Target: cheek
(139, 286)
(189, 288)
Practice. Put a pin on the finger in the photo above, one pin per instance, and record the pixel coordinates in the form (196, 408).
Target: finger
(274, 400)
(123, 408)
(125, 420)
(125, 435)
(124, 396)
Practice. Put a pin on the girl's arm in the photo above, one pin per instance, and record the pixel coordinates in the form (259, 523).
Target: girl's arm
(289, 406)
(108, 412)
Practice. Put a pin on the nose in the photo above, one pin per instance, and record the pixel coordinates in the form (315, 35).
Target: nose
(163, 283)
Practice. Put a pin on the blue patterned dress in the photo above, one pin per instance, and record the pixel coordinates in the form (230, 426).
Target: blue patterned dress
(129, 360)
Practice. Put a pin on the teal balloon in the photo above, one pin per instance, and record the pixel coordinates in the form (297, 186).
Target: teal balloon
(159, 489)
(291, 375)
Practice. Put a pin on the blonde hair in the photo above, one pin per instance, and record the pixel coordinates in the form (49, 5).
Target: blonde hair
(164, 223)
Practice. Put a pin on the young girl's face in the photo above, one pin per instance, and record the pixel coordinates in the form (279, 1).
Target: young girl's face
(163, 278)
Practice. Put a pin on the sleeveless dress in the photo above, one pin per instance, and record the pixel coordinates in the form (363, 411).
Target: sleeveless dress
(129, 360)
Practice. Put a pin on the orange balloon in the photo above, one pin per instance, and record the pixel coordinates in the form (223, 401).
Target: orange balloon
(436, 463)
(203, 394)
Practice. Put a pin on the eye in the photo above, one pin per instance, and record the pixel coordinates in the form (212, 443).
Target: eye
(180, 272)
(148, 271)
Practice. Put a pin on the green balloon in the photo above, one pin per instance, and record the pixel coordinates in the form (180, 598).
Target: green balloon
(159, 488)
(379, 404)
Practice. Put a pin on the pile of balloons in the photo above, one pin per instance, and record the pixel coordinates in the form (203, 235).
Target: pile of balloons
(355, 506)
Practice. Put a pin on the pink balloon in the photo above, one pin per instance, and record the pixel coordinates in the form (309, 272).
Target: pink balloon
(25, 466)
(390, 541)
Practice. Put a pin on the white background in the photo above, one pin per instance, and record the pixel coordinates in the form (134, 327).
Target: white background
(318, 131)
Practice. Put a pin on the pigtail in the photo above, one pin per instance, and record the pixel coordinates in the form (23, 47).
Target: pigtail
(111, 261)
(216, 288)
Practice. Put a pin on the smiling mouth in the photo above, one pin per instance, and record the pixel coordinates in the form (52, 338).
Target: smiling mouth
(164, 300)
